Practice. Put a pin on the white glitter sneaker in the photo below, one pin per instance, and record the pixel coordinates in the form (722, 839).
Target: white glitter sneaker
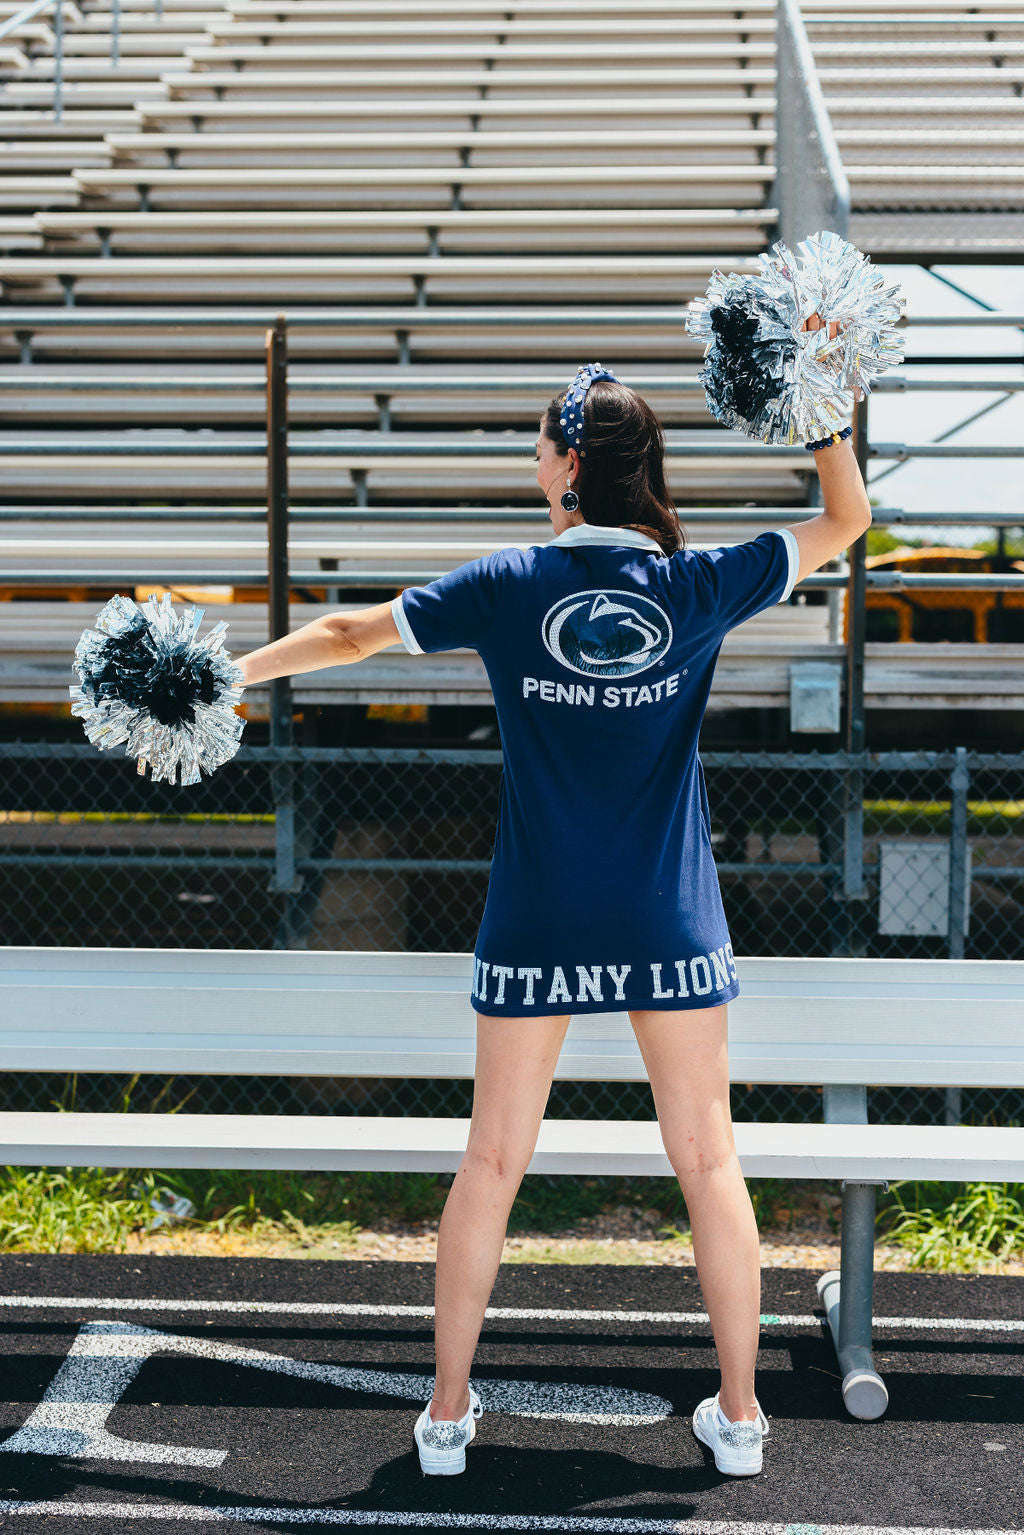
(736, 1446)
(442, 1442)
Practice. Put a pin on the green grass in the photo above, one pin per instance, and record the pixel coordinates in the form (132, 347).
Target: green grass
(103, 817)
(66, 1210)
(947, 1227)
(916, 818)
(985, 818)
(954, 1228)
(889, 817)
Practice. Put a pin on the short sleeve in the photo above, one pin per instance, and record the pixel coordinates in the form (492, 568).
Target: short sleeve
(744, 579)
(452, 613)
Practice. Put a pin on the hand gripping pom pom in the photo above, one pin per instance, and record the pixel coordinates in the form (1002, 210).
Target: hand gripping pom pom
(146, 680)
(764, 373)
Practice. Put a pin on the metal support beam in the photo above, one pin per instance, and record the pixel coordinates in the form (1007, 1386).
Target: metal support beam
(856, 615)
(864, 1391)
(958, 852)
(285, 878)
(811, 189)
(854, 887)
(58, 50)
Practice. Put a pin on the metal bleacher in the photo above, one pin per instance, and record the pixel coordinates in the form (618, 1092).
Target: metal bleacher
(452, 204)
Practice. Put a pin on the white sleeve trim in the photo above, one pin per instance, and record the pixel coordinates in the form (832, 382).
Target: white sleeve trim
(402, 625)
(793, 550)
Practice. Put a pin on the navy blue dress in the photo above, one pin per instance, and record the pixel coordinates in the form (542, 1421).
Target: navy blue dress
(600, 650)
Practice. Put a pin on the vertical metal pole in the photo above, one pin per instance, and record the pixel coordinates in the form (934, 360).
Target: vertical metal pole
(853, 809)
(58, 73)
(282, 773)
(957, 852)
(854, 888)
(115, 31)
(277, 518)
(848, 1304)
(811, 189)
(856, 618)
(958, 880)
(785, 111)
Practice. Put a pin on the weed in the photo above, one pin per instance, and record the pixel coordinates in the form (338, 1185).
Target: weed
(961, 1228)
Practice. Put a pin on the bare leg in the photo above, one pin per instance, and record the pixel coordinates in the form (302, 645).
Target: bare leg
(686, 1054)
(515, 1062)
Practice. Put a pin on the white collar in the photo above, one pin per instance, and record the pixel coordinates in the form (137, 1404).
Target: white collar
(590, 533)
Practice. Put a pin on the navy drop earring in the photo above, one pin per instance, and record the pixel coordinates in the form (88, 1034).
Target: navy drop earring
(570, 500)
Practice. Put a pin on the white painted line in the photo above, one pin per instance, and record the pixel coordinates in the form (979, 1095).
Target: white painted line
(507, 1313)
(105, 1358)
(190, 1513)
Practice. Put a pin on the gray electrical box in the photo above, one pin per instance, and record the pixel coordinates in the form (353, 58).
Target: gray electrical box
(814, 696)
(913, 887)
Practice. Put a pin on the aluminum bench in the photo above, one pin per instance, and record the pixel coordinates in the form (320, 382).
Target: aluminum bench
(842, 1024)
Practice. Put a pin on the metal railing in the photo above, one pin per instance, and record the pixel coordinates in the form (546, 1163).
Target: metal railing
(11, 25)
(275, 443)
(856, 582)
(811, 188)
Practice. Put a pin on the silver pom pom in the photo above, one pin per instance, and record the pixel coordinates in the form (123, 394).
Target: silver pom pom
(767, 376)
(147, 681)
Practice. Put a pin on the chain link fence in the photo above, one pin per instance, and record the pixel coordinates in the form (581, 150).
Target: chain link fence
(894, 854)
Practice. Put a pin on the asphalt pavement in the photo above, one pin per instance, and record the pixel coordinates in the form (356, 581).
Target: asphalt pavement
(154, 1394)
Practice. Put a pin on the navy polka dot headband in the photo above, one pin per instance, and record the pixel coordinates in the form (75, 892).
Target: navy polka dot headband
(571, 420)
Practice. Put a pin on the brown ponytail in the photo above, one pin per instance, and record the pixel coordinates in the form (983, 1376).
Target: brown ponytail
(621, 480)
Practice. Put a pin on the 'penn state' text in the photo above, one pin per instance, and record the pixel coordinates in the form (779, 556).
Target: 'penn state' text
(611, 694)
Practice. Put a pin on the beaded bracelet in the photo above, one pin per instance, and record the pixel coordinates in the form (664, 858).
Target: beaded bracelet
(827, 442)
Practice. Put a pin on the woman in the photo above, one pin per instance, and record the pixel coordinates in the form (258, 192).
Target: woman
(600, 645)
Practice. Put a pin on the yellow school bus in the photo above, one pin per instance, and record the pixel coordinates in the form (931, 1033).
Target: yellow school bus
(954, 614)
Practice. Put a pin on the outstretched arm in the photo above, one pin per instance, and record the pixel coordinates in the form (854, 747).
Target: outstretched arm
(847, 509)
(333, 639)
(847, 512)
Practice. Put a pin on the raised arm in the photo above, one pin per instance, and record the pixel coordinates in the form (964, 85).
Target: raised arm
(847, 509)
(330, 640)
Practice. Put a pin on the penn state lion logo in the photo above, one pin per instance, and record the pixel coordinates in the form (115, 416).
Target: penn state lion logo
(606, 633)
